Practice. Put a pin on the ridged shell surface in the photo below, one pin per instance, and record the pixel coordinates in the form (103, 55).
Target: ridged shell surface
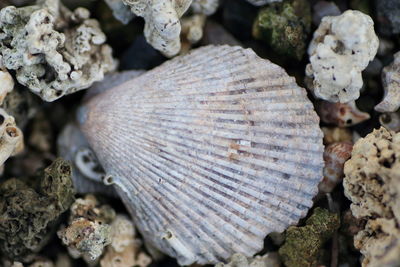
(210, 152)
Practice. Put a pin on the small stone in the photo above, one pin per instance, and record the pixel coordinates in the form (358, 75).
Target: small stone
(285, 27)
(303, 244)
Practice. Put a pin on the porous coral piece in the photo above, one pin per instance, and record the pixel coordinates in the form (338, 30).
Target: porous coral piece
(11, 137)
(125, 247)
(29, 212)
(335, 155)
(285, 27)
(391, 86)
(54, 51)
(162, 25)
(262, 2)
(341, 49)
(206, 7)
(270, 259)
(303, 244)
(372, 183)
(88, 231)
(341, 114)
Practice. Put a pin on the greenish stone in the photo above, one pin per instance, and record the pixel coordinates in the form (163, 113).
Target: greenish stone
(285, 27)
(29, 209)
(303, 244)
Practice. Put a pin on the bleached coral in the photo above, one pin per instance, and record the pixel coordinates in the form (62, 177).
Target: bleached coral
(239, 260)
(89, 229)
(391, 86)
(341, 49)
(54, 51)
(125, 247)
(11, 137)
(372, 183)
(262, 2)
(121, 11)
(192, 27)
(162, 22)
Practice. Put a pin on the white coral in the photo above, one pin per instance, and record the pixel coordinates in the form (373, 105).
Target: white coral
(341, 49)
(372, 183)
(391, 86)
(88, 231)
(53, 50)
(125, 247)
(162, 22)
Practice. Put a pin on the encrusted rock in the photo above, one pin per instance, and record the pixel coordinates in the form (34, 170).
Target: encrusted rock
(89, 229)
(391, 86)
(54, 51)
(372, 183)
(285, 27)
(341, 114)
(341, 48)
(11, 137)
(239, 260)
(162, 25)
(125, 247)
(303, 244)
(30, 210)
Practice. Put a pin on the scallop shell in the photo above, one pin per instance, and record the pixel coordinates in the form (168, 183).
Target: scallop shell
(210, 152)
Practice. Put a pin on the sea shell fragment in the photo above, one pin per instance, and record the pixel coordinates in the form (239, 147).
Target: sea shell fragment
(210, 152)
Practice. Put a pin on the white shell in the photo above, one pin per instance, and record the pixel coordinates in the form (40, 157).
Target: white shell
(210, 152)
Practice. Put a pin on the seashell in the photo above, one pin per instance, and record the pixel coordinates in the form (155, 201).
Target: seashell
(341, 114)
(336, 134)
(210, 152)
(335, 156)
(390, 121)
(390, 82)
(72, 146)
